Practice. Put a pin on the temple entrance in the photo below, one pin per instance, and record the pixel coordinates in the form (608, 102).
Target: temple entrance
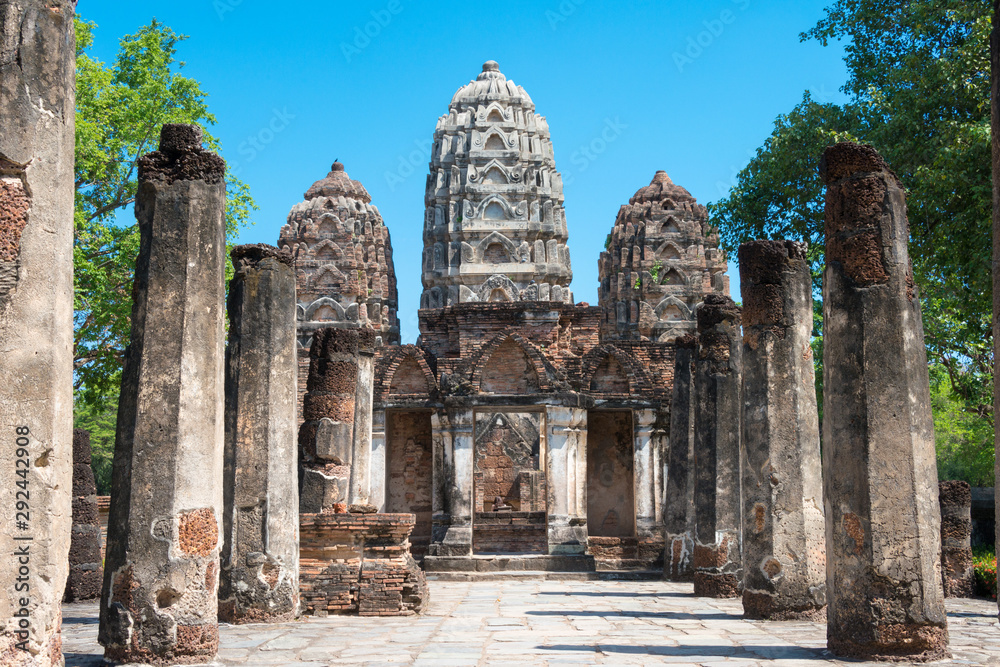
(509, 484)
(611, 485)
(409, 482)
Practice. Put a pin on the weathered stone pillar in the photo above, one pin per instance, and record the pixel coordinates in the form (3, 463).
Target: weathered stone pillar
(453, 482)
(956, 539)
(331, 438)
(260, 551)
(678, 504)
(883, 524)
(784, 551)
(380, 452)
(647, 458)
(718, 568)
(995, 105)
(361, 460)
(37, 94)
(160, 604)
(566, 479)
(85, 571)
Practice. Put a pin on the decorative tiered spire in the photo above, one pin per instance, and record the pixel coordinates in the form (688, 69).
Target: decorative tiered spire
(495, 228)
(662, 258)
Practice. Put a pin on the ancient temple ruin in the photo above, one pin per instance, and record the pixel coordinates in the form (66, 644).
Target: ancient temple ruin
(522, 424)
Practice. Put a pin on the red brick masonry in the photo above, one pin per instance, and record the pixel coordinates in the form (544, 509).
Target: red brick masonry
(359, 564)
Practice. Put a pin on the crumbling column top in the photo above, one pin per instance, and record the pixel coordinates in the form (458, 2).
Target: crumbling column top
(847, 158)
(255, 253)
(181, 158)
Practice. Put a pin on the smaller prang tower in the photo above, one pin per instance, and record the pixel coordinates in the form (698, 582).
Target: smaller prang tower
(662, 258)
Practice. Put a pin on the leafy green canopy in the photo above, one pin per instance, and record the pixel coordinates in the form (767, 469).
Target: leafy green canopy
(918, 91)
(119, 111)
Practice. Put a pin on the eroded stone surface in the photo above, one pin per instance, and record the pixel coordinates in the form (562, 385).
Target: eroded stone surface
(37, 100)
(662, 258)
(85, 568)
(784, 551)
(883, 522)
(956, 539)
(159, 601)
(718, 568)
(260, 554)
(337, 409)
(678, 506)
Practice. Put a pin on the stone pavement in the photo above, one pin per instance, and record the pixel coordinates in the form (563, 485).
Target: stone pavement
(535, 622)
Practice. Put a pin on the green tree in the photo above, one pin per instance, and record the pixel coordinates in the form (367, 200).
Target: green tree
(918, 91)
(120, 110)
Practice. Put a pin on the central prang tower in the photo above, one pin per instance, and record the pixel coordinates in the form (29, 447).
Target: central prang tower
(494, 226)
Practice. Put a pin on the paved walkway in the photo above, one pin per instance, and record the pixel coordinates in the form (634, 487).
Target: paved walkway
(522, 623)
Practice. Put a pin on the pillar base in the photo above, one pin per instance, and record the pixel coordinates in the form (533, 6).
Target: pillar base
(707, 585)
(567, 535)
(677, 558)
(760, 606)
(196, 645)
(897, 643)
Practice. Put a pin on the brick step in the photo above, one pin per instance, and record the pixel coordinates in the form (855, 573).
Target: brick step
(512, 563)
(541, 575)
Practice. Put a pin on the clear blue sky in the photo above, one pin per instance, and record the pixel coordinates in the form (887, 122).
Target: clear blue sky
(689, 87)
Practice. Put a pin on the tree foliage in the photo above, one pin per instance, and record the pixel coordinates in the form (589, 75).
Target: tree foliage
(120, 109)
(918, 91)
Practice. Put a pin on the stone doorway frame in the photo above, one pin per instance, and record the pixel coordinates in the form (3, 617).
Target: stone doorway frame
(542, 448)
(382, 450)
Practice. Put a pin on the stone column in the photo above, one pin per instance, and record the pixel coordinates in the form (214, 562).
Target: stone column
(566, 479)
(260, 551)
(361, 459)
(883, 524)
(85, 571)
(37, 97)
(995, 105)
(678, 503)
(784, 551)
(453, 482)
(331, 436)
(646, 458)
(380, 461)
(718, 567)
(956, 539)
(160, 601)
